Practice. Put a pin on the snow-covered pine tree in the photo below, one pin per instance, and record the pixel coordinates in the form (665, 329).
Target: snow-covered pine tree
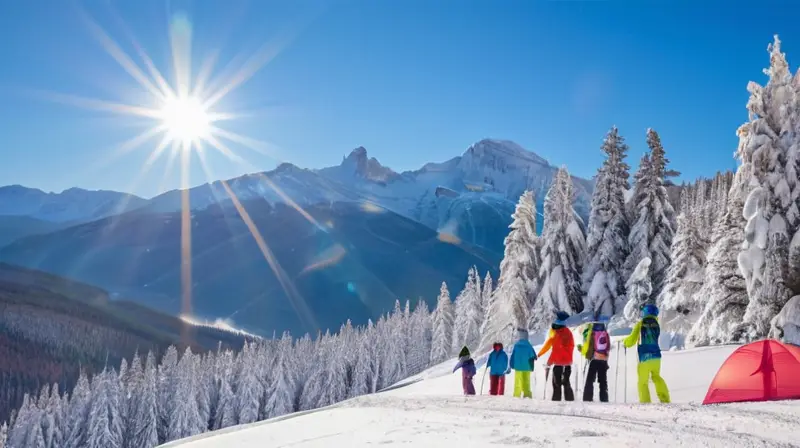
(562, 253)
(651, 216)
(23, 423)
(131, 379)
(419, 353)
(488, 289)
(469, 314)
(77, 419)
(724, 288)
(281, 400)
(102, 431)
(363, 374)
(204, 384)
(491, 312)
(225, 415)
(373, 350)
(46, 415)
(166, 390)
(443, 320)
(143, 424)
(607, 236)
(518, 282)
(56, 411)
(336, 369)
(394, 364)
(767, 234)
(314, 389)
(248, 387)
(679, 301)
(639, 291)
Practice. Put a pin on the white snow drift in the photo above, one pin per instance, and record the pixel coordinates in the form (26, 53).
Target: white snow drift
(432, 413)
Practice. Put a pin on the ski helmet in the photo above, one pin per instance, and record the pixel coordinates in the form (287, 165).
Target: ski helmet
(649, 310)
(561, 318)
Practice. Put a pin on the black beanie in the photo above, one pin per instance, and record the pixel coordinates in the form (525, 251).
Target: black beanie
(464, 352)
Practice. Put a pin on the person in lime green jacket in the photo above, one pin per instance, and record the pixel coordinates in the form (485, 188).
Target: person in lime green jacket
(645, 333)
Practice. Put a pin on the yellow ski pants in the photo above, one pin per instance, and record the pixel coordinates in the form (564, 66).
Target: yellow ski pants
(522, 384)
(647, 370)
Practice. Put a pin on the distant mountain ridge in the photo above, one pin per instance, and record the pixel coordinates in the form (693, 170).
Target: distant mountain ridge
(73, 205)
(470, 196)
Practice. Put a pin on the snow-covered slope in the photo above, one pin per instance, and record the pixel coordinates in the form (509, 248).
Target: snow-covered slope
(72, 205)
(301, 186)
(470, 196)
(431, 412)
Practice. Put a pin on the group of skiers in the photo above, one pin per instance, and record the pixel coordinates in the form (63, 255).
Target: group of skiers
(595, 348)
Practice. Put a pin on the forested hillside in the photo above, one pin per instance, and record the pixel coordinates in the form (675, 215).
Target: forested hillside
(51, 328)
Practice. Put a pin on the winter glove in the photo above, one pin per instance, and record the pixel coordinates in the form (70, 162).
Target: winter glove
(508, 371)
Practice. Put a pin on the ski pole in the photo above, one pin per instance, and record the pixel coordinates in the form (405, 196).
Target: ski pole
(483, 379)
(546, 376)
(626, 375)
(616, 378)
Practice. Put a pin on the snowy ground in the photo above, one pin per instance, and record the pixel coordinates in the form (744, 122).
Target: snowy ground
(431, 412)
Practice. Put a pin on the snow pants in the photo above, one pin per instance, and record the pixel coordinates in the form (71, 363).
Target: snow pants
(561, 376)
(598, 370)
(497, 384)
(466, 384)
(647, 370)
(522, 384)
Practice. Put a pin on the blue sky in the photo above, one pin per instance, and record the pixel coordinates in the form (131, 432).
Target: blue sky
(413, 81)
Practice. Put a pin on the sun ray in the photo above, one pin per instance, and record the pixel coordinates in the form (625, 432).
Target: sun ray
(180, 32)
(209, 62)
(296, 300)
(125, 147)
(250, 143)
(162, 83)
(289, 200)
(156, 153)
(204, 74)
(99, 105)
(224, 150)
(122, 58)
(262, 57)
(172, 156)
(186, 246)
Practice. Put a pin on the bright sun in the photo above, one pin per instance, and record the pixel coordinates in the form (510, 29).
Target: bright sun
(185, 119)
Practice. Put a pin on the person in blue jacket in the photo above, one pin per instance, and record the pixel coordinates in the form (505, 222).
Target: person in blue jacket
(498, 368)
(522, 359)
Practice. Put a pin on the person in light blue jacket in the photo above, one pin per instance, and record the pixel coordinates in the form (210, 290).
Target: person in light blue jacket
(522, 358)
(498, 369)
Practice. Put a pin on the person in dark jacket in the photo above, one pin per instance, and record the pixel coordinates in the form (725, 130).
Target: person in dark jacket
(498, 368)
(595, 348)
(467, 366)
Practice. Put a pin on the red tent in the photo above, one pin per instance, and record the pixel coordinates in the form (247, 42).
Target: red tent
(761, 371)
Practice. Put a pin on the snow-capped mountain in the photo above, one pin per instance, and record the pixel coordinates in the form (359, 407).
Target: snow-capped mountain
(72, 205)
(286, 182)
(470, 196)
